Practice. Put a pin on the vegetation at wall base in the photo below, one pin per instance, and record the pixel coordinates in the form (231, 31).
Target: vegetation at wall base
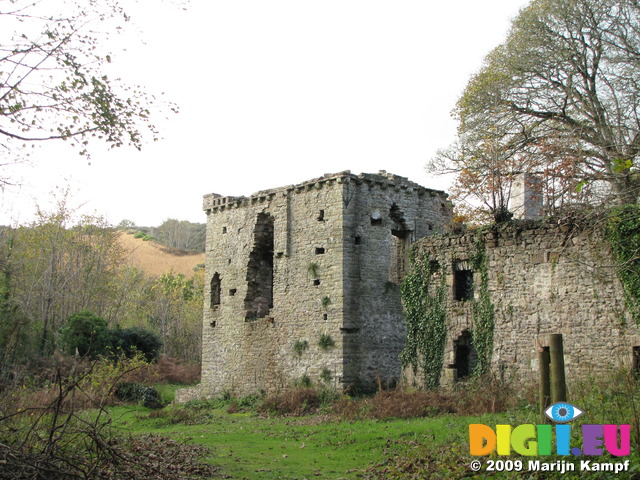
(394, 434)
(297, 433)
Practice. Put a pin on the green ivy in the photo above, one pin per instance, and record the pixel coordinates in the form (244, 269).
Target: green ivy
(483, 312)
(425, 315)
(623, 231)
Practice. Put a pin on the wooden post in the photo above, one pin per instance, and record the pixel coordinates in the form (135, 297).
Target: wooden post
(556, 354)
(544, 391)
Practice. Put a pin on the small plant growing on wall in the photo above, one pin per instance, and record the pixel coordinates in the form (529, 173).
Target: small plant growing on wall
(313, 268)
(326, 301)
(305, 381)
(299, 347)
(326, 375)
(326, 342)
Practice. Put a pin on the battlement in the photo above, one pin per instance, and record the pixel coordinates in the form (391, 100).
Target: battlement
(213, 202)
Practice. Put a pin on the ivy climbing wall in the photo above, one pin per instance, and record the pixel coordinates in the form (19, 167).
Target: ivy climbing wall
(507, 287)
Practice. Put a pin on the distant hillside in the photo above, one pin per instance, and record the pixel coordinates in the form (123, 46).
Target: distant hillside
(155, 259)
(173, 233)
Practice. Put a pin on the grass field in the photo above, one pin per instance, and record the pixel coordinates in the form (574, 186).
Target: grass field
(251, 445)
(248, 446)
(246, 439)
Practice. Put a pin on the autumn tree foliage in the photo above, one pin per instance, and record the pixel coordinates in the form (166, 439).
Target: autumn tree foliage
(54, 83)
(559, 98)
(63, 264)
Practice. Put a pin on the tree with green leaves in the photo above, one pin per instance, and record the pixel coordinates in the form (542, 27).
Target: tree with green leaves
(53, 80)
(62, 264)
(85, 334)
(560, 98)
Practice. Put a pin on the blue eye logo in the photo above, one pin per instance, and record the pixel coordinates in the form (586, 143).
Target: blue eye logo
(562, 412)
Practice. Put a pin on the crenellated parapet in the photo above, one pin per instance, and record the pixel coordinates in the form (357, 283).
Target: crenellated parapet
(213, 202)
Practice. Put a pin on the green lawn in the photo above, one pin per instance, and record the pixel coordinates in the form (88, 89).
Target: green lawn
(252, 446)
(247, 446)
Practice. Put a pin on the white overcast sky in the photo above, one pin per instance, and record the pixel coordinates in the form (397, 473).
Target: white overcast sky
(273, 93)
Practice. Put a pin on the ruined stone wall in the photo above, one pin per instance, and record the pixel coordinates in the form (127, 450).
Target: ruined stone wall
(542, 278)
(294, 236)
(322, 259)
(382, 220)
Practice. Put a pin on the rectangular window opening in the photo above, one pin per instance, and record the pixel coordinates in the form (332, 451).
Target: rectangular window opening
(463, 285)
(357, 240)
(319, 251)
(321, 216)
(215, 290)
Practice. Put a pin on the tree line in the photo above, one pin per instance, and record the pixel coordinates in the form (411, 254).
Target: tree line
(55, 268)
(172, 233)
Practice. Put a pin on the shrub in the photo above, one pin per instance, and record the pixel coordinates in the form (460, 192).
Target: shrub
(87, 333)
(296, 402)
(136, 392)
(305, 381)
(136, 339)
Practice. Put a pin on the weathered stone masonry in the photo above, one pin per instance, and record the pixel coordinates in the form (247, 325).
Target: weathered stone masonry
(322, 258)
(543, 278)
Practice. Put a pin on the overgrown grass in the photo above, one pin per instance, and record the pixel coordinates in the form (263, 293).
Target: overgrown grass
(248, 445)
(316, 433)
(305, 433)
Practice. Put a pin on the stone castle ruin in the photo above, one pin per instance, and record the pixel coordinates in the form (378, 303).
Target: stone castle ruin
(539, 278)
(303, 282)
(302, 285)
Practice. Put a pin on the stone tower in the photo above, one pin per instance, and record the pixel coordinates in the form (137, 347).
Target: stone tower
(302, 282)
